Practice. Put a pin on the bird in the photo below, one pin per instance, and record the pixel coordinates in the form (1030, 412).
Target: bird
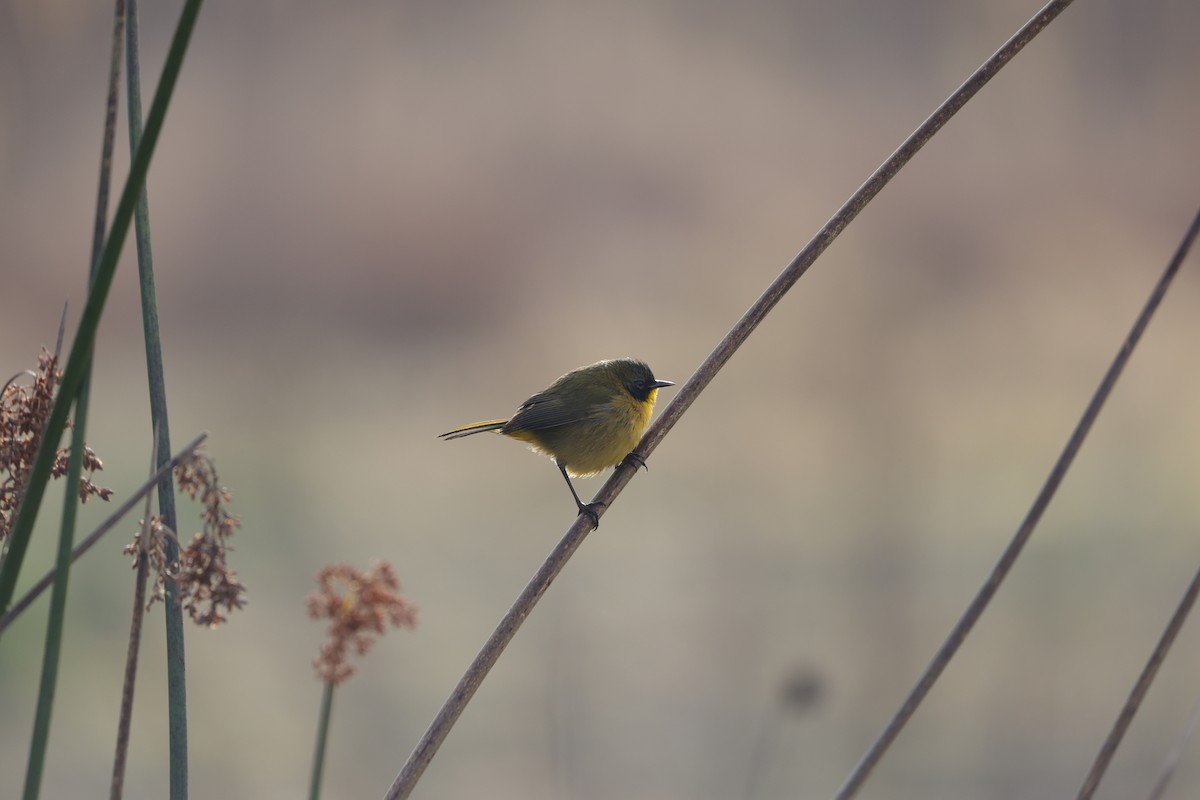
(588, 420)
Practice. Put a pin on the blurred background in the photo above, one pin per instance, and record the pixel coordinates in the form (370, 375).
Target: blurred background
(374, 221)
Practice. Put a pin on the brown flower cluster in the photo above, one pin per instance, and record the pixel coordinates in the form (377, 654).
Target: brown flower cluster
(359, 606)
(207, 584)
(23, 414)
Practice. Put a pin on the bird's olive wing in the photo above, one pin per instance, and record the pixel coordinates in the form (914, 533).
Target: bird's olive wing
(544, 411)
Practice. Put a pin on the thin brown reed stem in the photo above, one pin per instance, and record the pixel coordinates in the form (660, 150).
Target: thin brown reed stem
(125, 719)
(427, 747)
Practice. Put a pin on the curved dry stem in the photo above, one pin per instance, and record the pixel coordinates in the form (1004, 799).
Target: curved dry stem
(13, 379)
(407, 779)
(125, 718)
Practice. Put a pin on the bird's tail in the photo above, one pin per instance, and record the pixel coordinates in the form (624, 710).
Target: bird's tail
(474, 427)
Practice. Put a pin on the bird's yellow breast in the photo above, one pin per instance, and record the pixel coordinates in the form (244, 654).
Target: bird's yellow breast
(609, 432)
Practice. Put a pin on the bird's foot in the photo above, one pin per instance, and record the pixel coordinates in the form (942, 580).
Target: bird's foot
(589, 510)
(636, 461)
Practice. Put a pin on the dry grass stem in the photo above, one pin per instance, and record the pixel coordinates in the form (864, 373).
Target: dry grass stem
(137, 616)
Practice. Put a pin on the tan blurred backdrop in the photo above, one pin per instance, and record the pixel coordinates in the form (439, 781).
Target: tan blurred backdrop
(374, 221)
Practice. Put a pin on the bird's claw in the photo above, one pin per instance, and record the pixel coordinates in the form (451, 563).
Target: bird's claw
(590, 512)
(637, 461)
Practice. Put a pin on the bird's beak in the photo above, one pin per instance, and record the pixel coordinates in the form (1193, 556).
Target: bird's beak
(661, 384)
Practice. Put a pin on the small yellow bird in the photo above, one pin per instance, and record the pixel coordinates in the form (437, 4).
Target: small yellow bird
(587, 420)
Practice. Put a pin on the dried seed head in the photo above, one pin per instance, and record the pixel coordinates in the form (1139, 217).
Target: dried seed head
(24, 410)
(360, 605)
(208, 586)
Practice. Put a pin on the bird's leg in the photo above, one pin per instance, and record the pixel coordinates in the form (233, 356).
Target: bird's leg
(584, 508)
(636, 461)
